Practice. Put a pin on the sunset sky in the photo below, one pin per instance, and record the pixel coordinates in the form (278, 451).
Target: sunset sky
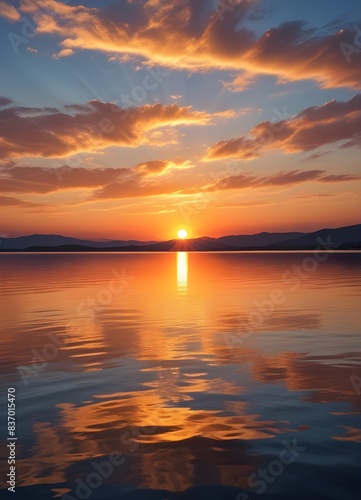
(135, 118)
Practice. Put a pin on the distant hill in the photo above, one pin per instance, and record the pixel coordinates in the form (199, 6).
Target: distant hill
(344, 237)
(54, 240)
(199, 244)
(257, 240)
(341, 238)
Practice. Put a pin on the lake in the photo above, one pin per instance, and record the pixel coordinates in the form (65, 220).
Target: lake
(182, 375)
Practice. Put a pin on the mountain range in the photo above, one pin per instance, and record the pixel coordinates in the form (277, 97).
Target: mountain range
(348, 237)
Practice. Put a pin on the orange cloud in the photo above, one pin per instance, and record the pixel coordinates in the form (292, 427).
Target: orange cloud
(143, 180)
(279, 179)
(25, 179)
(139, 180)
(182, 34)
(242, 81)
(9, 201)
(132, 187)
(49, 132)
(9, 12)
(160, 167)
(64, 53)
(310, 129)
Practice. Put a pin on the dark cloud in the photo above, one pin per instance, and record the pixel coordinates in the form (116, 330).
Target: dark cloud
(315, 156)
(4, 101)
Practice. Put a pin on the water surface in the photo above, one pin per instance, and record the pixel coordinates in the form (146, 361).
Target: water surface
(200, 370)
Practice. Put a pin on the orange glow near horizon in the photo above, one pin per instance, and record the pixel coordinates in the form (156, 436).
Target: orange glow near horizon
(281, 212)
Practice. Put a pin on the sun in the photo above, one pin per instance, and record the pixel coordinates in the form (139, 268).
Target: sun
(182, 234)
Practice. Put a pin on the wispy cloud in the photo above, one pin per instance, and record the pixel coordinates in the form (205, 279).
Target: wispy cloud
(40, 180)
(146, 179)
(184, 35)
(315, 156)
(279, 180)
(9, 201)
(49, 132)
(9, 12)
(308, 130)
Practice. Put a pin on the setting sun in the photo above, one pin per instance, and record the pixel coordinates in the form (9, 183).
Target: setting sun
(182, 234)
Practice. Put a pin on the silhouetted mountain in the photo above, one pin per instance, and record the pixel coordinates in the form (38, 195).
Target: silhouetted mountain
(257, 240)
(199, 244)
(344, 237)
(54, 240)
(341, 238)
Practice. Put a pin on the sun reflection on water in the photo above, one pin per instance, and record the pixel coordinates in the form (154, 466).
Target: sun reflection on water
(182, 272)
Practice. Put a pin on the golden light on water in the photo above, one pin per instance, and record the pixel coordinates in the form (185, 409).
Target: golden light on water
(182, 271)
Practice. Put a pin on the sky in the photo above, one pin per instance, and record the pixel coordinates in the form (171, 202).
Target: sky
(131, 119)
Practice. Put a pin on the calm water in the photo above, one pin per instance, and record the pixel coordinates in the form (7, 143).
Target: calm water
(222, 376)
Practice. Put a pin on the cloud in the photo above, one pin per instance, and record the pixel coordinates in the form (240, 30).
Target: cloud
(317, 195)
(341, 194)
(160, 167)
(30, 49)
(153, 178)
(244, 204)
(184, 34)
(279, 179)
(339, 178)
(133, 188)
(4, 101)
(8, 201)
(293, 53)
(49, 132)
(64, 53)
(315, 156)
(9, 12)
(40, 180)
(310, 129)
(241, 82)
(25, 179)
(147, 179)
